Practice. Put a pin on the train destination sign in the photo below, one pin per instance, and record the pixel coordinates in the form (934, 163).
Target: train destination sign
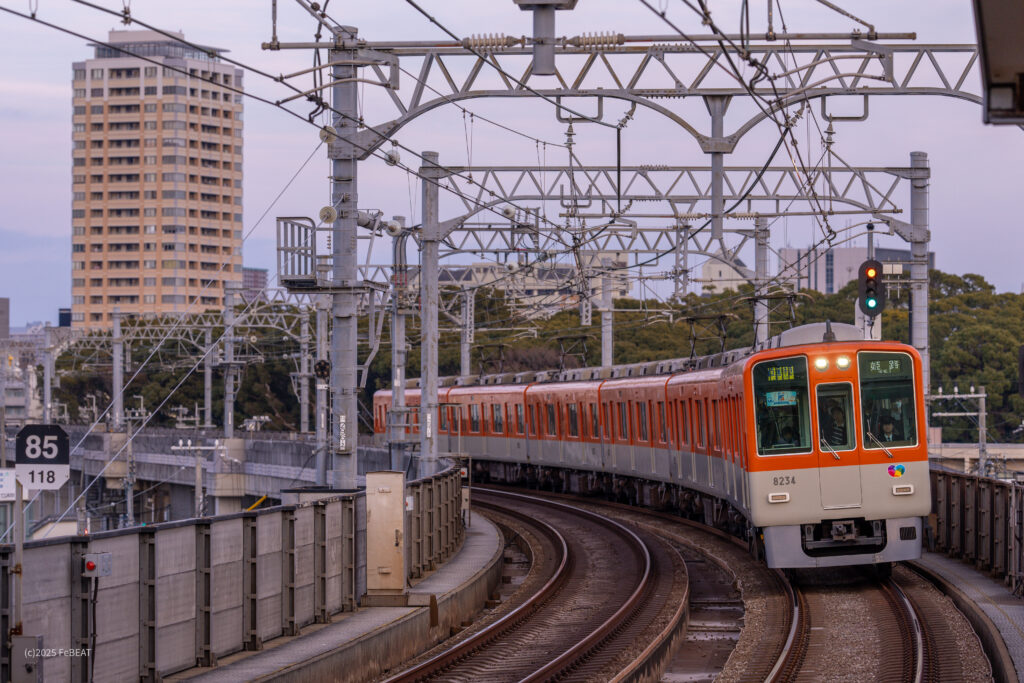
(42, 459)
(885, 365)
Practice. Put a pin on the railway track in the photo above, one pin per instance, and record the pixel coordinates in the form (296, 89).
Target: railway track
(902, 620)
(610, 604)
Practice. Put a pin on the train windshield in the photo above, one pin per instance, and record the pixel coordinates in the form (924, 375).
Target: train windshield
(782, 407)
(887, 399)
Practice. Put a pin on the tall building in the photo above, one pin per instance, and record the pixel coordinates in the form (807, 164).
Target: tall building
(254, 283)
(157, 179)
(828, 270)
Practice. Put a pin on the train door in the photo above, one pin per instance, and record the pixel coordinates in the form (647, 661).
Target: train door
(838, 457)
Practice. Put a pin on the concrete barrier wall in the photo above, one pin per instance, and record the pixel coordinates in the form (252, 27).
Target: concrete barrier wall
(188, 592)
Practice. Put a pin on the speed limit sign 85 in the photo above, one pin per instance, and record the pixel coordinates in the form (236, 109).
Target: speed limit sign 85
(42, 457)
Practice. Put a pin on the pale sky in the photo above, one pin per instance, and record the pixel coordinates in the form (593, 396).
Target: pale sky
(975, 186)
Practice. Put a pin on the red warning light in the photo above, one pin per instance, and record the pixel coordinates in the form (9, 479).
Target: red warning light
(90, 565)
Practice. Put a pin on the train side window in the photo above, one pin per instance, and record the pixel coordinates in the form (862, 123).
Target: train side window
(641, 420)
(533, 420)
(519, 419)
(662, 426)
(699, 428)
(623, 422)
(607, 422)
(595, 422)
(498, 417)
(684, 420)
(782, 406)
(552, 420)
(474, 418)
(574, 420)
(718, 424)
(444, 419)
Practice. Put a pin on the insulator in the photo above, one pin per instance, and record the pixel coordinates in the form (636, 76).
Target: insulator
(489, 42)
(598, 40)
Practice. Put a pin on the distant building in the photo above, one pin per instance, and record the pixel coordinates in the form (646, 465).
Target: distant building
(718, 276)
(5, 317)
(829, 270)
(63, 317)
(156, 212)
(254, 282)
(546, 288)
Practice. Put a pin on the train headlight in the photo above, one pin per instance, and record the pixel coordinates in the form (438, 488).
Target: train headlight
(821, 363)
(843, 362)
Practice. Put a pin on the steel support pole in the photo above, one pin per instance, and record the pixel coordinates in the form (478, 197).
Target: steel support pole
(607, 316)
(208, 381)
(3, 412)
(345, 274)
(761, 326)
(399, 353)
(717, 104)
(919, 261)
(304, 373)
(118, 381)
(229, 362)
(47, 374)
(466, 336)
(198, 483)
(430, 242)
(322, 423)
(982, 434)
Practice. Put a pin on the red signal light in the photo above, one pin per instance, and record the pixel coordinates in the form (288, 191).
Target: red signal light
(90, 565)
(871, 272)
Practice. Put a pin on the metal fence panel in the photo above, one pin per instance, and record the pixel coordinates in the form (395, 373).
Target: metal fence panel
(117, 611)
(226, 568)
(268, 574)
(175, 599)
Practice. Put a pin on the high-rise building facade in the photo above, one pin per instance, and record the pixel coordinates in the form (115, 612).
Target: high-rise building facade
(156, 179)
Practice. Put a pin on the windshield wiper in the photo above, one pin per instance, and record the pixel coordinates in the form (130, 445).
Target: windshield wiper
(829, 448)
(880, 444)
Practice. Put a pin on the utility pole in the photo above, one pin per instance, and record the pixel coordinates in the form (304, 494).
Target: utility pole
(919, 239)
(399, 352)
(344, 198)
(304, 373)
(229, 361)
(467, 333)
(118, 361)
(430, 238)
(607, 315)
(761, 321)
(322, 424)
(716, 146)
(208, 380)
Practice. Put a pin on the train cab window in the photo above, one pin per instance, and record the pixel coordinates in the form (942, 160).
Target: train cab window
(498, 418)
(662, 425)
(641, 420)
(888, 408)
(552, 420)
(519, 419)
(574, 420)
(595, 422)
(623, 423)
(474, 418)
(781, 412)
(835, 419)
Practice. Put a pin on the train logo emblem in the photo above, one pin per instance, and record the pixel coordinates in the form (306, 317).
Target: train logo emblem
(897, 470)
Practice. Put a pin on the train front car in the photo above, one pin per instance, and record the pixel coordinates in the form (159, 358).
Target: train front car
(839, 472)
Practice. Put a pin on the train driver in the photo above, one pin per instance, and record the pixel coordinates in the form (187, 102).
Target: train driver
(890, 431)
(835, 433)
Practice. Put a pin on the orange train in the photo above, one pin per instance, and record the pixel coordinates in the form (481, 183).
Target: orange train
(812, 447)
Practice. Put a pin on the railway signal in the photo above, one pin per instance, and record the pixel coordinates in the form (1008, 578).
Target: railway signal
(870, 288)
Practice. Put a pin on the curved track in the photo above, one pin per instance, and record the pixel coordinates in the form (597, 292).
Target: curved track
(610, 584)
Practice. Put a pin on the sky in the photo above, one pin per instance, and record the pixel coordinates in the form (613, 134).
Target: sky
(974, 217)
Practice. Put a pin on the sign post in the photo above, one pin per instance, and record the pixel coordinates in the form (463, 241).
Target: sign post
(42, 461)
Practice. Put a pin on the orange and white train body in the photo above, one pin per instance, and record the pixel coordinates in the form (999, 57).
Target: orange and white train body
(817, 446)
